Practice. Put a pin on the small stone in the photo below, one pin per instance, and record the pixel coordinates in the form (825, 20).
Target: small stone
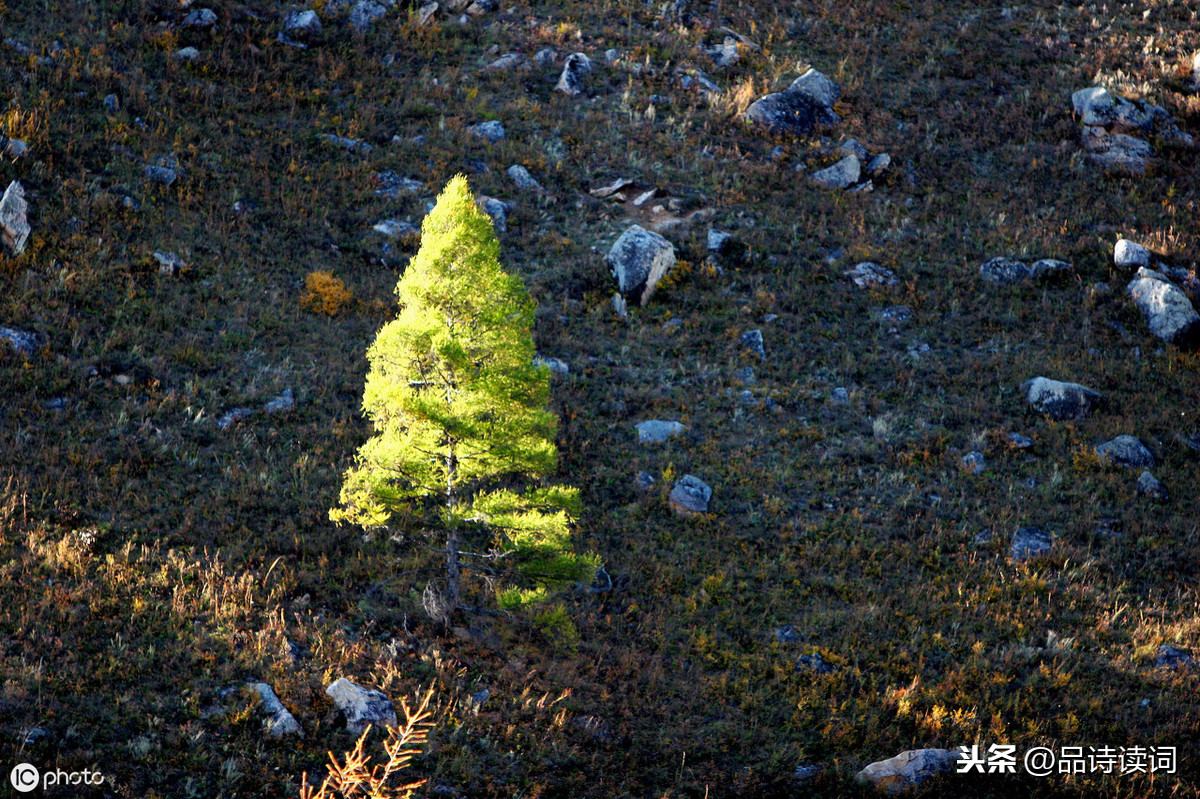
(1061, 401)
(842, 175)
(806, 772)
(346, 143)
(361, 706)
(425, 13)
(506, 62)
(491, 131)
(162, 175)
(878, 165)
(233, 417)
(896, 314)
(200, 18)
(280, 722)
(14, 223)
(1029, 542)
(479, 697)
(753, 341)
(392, 185)
(395, 228)
(1169, 313)
(282, 403)
(555, 365)
(497, 210)
(1149, 486)
(545, 57)
(303, 25)
(1018, 441)
(1129, 255)
(871, 275)
(1127, 451)
(523, 180)
(974, 462)
(855, 148)
(815, 663)
(111, 103)
(643, 481)
(619, 305)
(908, 769)
(574, 69)
(1170, 657)
(657, 431)
(188, 54)
(745, 375)
(1004, 271)
(787, 634)
(638, 260)
(1049, 269)
(365, 14)
(717, 240)
(840, 396)
(690, 496)
(22, 342)
(169, 263)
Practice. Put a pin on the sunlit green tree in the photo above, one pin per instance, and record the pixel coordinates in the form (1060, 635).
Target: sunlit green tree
(463, 438)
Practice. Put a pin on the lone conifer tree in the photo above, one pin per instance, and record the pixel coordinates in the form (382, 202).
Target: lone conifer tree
(462, 433)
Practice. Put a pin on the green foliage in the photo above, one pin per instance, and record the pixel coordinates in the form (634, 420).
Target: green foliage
(459, 411)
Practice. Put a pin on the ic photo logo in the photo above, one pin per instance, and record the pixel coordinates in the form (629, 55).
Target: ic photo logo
(24, 777)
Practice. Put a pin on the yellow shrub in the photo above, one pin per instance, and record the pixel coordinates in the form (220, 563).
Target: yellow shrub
(324, 293)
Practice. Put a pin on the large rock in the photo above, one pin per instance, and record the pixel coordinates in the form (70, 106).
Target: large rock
(14, 225)
(690, 496)
(1127, 451)
(908, 769)
(1061, 401)
(574, 69)
(799, 108)
(361, 706)
(638, 260)
(1168, 311)
(656, 431)
(842, 175)
(1130, 255)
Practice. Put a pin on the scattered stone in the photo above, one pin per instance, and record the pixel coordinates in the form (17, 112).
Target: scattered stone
(1117, 151)
(638, 260)
(545, 57)
(896, 314)
(1029, 542)
(14, 224)
(1061, 401)
(908, 769)
(1170, 657)
(491, 131)
(169, 263)
(1127, 254)
(787, 634)
(574, 69)
(1149, 486)
(233, 417)
(878, 165)
(302, 25)
(1018, 441)
(840, 396)
(200, 18)
(162, 175)
(974, 462)
(395, 228)
(619, 305)
(695, 79)
(753, 341)
(799, 108)
(361, 706)
(523, 180)
(280, 722)
(425, 13)
(842, 175)
(657, 431)
(555, 365)
(643, 481)
(111, 103)
(815, 663)
(1004, 271)
(282, 403)
(506, 62)
(1168, 312)
(690, 496)
(346, 143)
(871, 275)
(365, 14)
(724, 54)
(746, 376)
(22, 341)
(718, 240)
(189, 54)
(497, 210)
(806, 772)
(854, 147)
(1113, 128)
(604, 192)
(1127, 451)
(392, 184)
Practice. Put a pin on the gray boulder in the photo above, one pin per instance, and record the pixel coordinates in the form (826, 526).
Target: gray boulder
(302, 24)
(1029, 542)
(842, 175)
(491, 131)
(1061, 401)
(574, 69)
(14, 224)
(1049, 268)
(657, 431)
(365, 14)
(283, 403)
(523, 180)
(1117, 151)
(280, 722)
(162, 175)
(908, 769)
(506, 62)
(1127, 451)
(871, 275)
(753, 341)
(1127, 254)
(361, 706)
(1171, 657)
(1149, 486)
(638, 260)
(1004, 271)
(799, 108)
(1167, 310)
(200, 18)
(690, 496)
(22, 341)
(498, 210)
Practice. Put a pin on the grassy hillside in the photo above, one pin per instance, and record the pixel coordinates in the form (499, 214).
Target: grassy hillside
(153, 561)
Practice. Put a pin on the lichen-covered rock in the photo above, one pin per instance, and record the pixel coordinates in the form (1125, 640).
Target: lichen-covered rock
(799, 108)
(1004, 271)
(1127, 451)
(871, 275)
(361, 706)
(1167, 310)
(574, 69)
(908, 769)
(1061, 401)
(14, 224)
(638, 260)
(690, 496)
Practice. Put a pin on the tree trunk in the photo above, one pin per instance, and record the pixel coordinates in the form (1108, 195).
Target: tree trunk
(453, 575)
